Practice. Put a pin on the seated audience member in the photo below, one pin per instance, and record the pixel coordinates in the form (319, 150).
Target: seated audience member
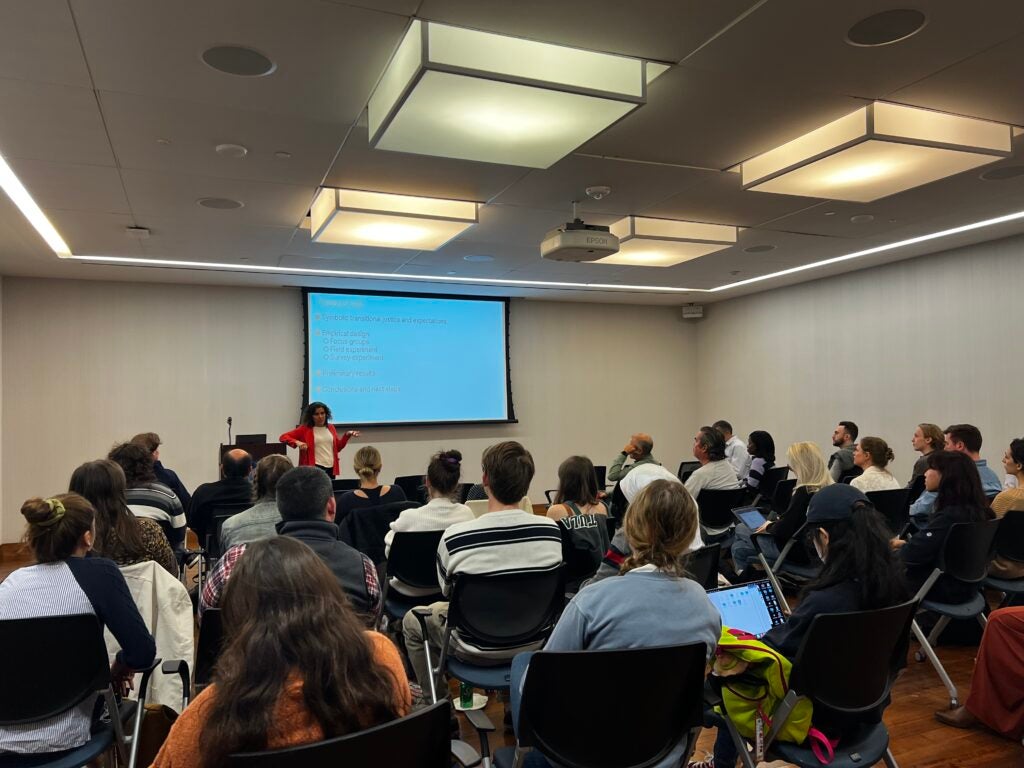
(476, 493)
(761, 450)
(638, 449)
(370, 493)
(582, 519)
(995, 699)
(736, 452)
(661, 526)
(806, 462)
(927, 438)
(577, 490)
(305, 500)
(872, 455)
(841, 462)
(120, 535)
(442, 511)
(965, 439)
(296, 667)
(714, 472)
(505, 539)
(145, 496)
(261, 519)
(859, 574)
(64, 582)
(619, 548)
(234, 487)
(151, 442)
(1010, 500)
(953, 478)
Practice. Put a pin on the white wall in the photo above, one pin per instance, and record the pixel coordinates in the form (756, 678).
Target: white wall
(85, 364)
(931, 339)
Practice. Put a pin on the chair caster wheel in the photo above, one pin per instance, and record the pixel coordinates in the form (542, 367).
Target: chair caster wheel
(918, 657)
(954, 703)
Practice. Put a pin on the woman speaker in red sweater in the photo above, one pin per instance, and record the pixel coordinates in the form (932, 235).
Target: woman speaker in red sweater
(317, 440)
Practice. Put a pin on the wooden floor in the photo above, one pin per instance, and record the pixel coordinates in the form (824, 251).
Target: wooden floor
(918, 740)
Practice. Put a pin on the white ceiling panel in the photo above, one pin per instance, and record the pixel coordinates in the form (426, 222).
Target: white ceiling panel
(360, 167)
(328, 56)
(458, 270)
(72, 187)
(216, 242)
(58, 123)
(173, 197)
(90, 233)
(302, 245)
(17, 237)
(654, 29)
(136, 122)
(801, 44)
(403, 7)
(38, 42)
(505, 256)
(512, 225)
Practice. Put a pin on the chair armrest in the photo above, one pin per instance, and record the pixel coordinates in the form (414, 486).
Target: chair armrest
(179, 667)
(464, 754)
(479, 720)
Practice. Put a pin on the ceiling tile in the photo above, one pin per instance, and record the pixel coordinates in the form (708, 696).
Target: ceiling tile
(135, 123)
(96, 234)
(18, 239)
(666, 31)
(328, 56)
(72, 187)
(216, 242)
(38, 42)
(403, 7)
(57, 123)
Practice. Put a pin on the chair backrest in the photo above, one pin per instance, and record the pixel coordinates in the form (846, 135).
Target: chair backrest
(419, 740)
(783, 494)
(208, 647)
(507, 609)
(218, 515)
(366, 528)
(851, 473)
(50, 664)
(1010, 537)
(550, 496)
(702, 565)
(716, 507)
(916, 489)
(413, 487)
(602, 475)
(848, 661)
(968, 550)
(413, 558)
(347, 484)
(771, 479)
(553, 721)
(892, 506)
(463, 492)
(687, 468)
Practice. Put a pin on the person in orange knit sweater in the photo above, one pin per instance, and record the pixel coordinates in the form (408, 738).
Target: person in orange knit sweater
(297, 665)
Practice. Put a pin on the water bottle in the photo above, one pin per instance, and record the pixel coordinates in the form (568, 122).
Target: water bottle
(465, 695)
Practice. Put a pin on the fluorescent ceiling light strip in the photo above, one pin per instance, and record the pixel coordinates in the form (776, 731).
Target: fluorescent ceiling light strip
(541, 283)
(16, 191)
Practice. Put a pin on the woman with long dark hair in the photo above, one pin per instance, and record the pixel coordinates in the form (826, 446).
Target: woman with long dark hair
(954, 477)
(297, 666)
(582, 520)
(120, 535)
(317, 439)
(761, 448)
(577, 490)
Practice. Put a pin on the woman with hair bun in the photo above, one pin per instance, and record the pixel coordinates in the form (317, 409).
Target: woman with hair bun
(63, 582)
(873, 454)
(370, 493)
(442, 483)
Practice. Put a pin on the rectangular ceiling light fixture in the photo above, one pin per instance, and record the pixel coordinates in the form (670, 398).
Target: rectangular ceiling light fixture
(877, 151)
(647, 242)
(15, 190)
(352, 217)
(460, 93)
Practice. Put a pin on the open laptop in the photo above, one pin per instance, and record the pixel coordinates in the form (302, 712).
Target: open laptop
(751, 516)
(752, 607)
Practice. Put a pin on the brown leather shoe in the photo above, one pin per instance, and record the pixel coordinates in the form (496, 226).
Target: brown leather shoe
(958, 718)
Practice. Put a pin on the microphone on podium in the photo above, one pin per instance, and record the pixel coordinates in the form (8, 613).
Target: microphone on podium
(229, 430)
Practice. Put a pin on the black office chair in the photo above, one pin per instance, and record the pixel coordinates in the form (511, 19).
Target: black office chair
(781, 497)
(965, 557)
(419, 740)
(413, 561)
(550, 496)
(413, 487)
(770, 481)
(347, 484)
(366, 528)
(715, 512)
(702, 565)
(49, 665)
(218, 515)
(783, 566)
(601, 471)
(687, 468)
(463, 493)
(208, 647)
(916, 488)
(552, 722)
(872, 647)
(894, 507)
(617, 506)
(851, 473)
(1010, 546)
(498, 611)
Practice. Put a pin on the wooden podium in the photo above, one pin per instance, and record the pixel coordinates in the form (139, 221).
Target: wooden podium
(255, 449)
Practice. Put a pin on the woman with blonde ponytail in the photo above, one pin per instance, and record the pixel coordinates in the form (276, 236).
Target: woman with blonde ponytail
(367, 465)
(65, 581)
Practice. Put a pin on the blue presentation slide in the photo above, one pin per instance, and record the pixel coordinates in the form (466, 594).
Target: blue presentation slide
(396, 359)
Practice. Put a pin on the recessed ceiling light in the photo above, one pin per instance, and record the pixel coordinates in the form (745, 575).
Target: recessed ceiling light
(354, 217)
(234, 151)
(886, 27)
(1003, 173)
(877, 151)
(645, 242)
(862, 218)
(759, 248)
(238, 60)
(283, 155)
(461, 93)
(478, 257)
(830, 213)
(219, 203)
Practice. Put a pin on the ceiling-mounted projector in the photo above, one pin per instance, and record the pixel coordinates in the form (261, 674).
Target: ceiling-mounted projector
(577, 241)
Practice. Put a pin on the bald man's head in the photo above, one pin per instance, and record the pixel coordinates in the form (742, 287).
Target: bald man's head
(236, 463)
